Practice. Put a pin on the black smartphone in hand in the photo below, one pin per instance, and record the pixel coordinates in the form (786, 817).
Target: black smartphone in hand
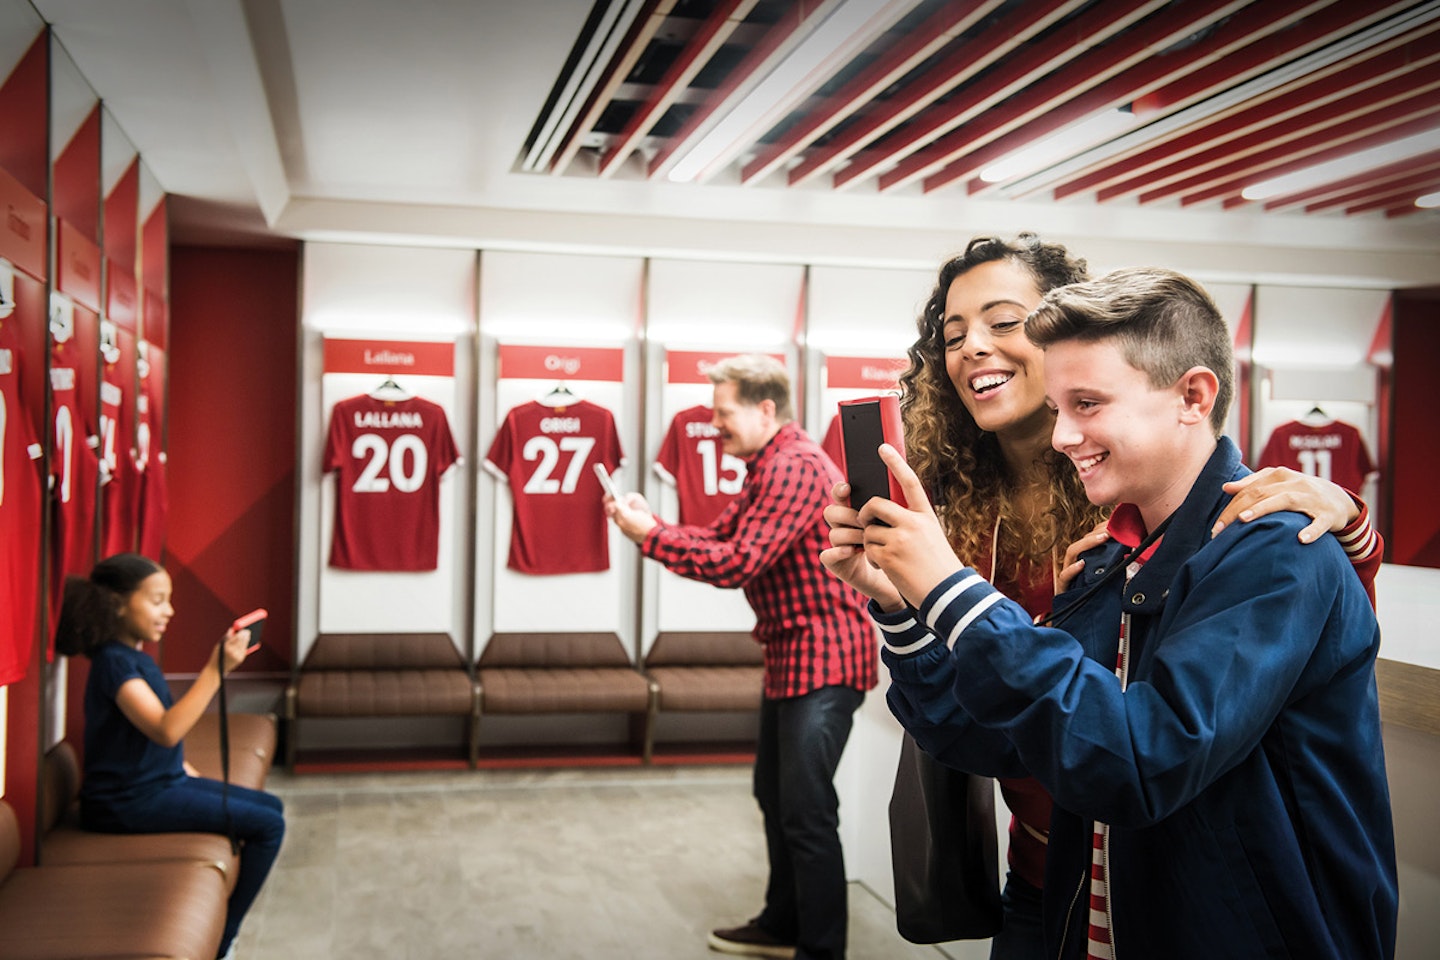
(864, 425)
(254, 621)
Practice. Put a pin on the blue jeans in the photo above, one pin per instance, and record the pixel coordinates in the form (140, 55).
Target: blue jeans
(192, 805)
(801, 739)
(1022, 936)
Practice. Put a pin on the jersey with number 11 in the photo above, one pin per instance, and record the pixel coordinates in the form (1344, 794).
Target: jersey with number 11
(389, 455)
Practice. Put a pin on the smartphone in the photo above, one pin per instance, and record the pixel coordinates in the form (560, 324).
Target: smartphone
(254, 621)
(603, 476)
(864, 425)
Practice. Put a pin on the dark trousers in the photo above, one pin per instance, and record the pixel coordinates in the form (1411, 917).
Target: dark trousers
(192, 805)
(1022, 936)
(801, 739)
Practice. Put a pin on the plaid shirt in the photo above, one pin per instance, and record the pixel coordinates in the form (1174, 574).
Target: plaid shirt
(768, 543)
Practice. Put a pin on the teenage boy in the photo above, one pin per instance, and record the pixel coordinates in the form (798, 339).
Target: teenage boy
(1206, 719)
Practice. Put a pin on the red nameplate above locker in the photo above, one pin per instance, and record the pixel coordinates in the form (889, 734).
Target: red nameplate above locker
(606, 364)
(418, 358)
(77, 270)
(22, 235)
(122, 305)
(869, 373)
(692, 366)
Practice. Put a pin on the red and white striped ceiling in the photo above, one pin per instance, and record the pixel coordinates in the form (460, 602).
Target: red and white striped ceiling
(1209, 97)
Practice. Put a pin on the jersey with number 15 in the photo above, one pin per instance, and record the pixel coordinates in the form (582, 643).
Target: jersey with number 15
(544, 454)
(390, 455)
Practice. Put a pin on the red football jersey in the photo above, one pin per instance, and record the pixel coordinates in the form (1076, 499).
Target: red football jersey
(834, 442)
(149, 457)
(74, 466)
(705, 478)
(20, 503)
(1334, 451)
(390, 455)
(544, 454)
(118, 476)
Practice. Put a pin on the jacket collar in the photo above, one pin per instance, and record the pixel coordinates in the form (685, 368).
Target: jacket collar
(1187, 533)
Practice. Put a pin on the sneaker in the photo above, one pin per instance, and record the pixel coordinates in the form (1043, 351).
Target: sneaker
(750, 941)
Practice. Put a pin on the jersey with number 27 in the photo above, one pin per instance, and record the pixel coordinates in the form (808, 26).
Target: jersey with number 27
(545, 455)
(389, 456)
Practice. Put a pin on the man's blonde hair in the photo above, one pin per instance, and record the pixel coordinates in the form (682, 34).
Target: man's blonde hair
(756, 378)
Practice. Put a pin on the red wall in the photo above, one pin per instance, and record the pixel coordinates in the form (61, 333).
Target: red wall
(1414, 533)
(234, 321)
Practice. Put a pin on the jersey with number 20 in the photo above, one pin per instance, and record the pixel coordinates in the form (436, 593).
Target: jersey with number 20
(390, 455)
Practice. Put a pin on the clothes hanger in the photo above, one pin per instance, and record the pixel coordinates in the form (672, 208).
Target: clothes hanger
(560, 396)
(388, 389)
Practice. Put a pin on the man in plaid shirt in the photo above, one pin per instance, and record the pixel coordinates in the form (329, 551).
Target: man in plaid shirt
(820, 655)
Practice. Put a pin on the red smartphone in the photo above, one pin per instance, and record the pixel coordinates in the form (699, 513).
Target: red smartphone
(255, 622)
(864, 425)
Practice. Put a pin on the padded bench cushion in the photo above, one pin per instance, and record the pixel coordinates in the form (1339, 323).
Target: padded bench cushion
(383, 651)
(709, 688)
(384, 693)
(112, 910)
(65, 842)
(563, 690)
(554, 650)
(728, 648)
(252, 747)
(53, 912)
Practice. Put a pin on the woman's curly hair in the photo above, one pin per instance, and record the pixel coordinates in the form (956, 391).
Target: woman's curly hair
(960, 465)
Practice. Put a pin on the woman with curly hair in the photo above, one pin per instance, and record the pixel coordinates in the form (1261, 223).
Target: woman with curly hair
(977, 434)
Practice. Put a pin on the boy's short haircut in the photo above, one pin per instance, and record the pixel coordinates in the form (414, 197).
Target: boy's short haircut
(756, 378)
(1164, 322)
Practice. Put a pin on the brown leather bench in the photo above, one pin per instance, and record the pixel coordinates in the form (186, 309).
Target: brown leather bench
(533, 673)
(381, 675)
(174, 909)
(64, 842)
(252, 747)
(705, 671)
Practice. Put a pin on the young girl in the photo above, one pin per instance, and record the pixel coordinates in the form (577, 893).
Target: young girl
(136, 779)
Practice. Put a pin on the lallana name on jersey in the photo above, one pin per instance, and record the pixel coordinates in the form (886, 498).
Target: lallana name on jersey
(388, 418)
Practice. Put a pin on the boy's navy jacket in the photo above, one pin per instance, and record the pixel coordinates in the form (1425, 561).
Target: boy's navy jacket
(1241, 771)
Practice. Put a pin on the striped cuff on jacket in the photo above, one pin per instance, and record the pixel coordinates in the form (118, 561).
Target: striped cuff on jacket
(957, 602)
(1359, 538)
(901, 631)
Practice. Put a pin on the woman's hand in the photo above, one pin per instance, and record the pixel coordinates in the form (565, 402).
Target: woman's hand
(1072, 564)
(1272, 489)
(845, 557)
(907, 543)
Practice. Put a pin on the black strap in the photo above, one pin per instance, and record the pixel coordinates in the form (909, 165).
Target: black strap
(1057, 617)
(225, 758)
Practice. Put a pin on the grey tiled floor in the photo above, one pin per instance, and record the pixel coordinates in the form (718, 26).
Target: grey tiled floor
(593, 863)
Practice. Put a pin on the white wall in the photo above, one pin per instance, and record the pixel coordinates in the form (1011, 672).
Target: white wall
(554, 300)
(384, 293)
